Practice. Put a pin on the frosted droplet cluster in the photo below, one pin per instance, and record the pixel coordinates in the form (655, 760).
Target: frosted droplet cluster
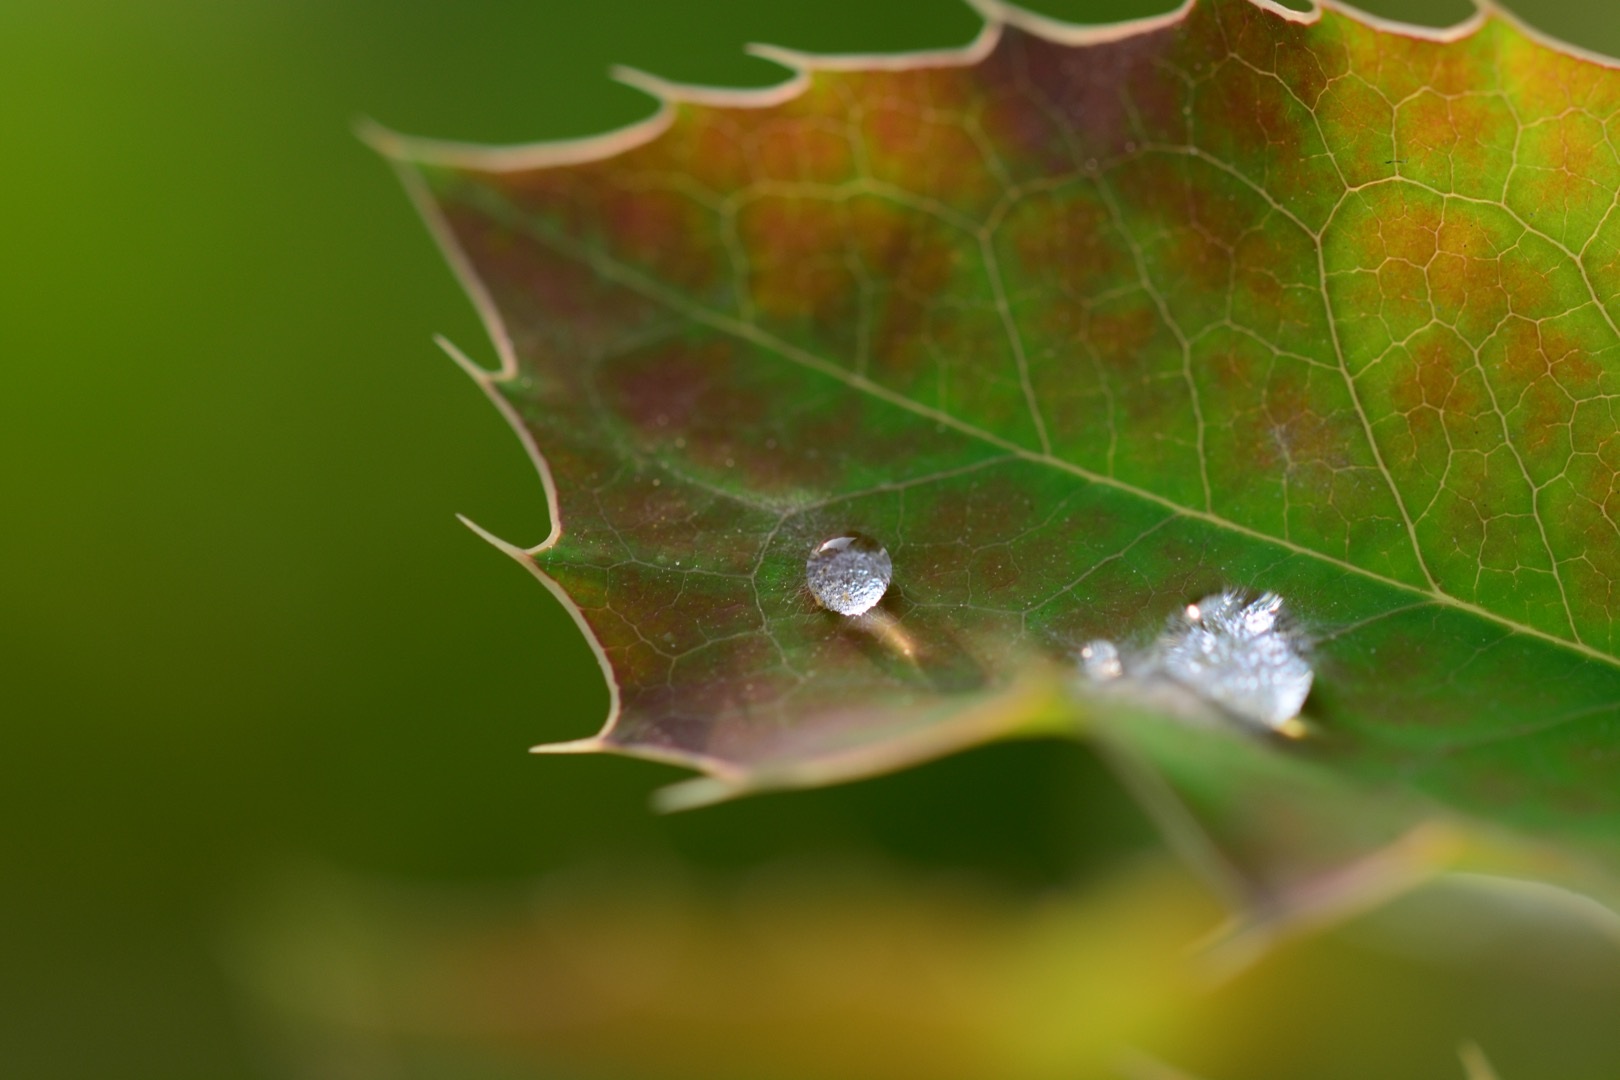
(1238, 654)
(849, 574)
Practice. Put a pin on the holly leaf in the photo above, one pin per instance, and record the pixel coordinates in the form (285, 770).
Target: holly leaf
(1082, 324)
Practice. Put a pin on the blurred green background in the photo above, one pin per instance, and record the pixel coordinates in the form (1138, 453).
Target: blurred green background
(240, 628)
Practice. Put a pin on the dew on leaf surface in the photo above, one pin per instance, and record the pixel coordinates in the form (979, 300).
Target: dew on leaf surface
(1240, 655)
(849, 574)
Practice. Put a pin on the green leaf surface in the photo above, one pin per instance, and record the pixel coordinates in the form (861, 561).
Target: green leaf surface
(1084, 324)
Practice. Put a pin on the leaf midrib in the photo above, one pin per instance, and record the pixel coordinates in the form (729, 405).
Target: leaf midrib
(651, 289)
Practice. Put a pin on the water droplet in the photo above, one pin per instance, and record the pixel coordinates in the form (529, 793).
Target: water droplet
(1244, 656)
(1240, 655)
(849, 574)
(1100, 661)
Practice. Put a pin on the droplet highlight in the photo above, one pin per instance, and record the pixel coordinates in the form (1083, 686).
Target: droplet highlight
(849, 574)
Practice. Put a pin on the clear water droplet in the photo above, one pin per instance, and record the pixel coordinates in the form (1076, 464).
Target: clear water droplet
(849, 574)
(1100, 661)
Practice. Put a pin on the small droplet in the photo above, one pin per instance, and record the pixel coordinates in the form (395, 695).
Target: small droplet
(849, 574)
(1100, 661)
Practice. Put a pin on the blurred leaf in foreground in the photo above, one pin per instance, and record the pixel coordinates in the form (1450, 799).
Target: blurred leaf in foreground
(815, 972)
